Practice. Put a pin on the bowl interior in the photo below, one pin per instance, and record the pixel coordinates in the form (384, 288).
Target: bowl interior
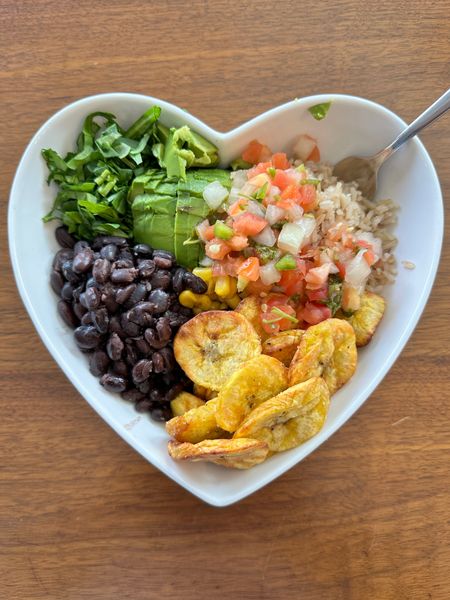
(352, 126)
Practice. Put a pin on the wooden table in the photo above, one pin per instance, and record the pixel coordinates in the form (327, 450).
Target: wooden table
(82, 516)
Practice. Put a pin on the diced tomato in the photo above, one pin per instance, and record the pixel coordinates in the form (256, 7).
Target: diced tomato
(258, 169)
(228, 266)
(315, 155)
(249, 224)
(370, 257)
(317, 277)
(238, 242)
(249, 269)
(209, 233)
(314, 313)
(363, 244)
(292, 282)
(280, 161)
(273, 322)
(217, 249)
(291, 192)
(256, 288)
(238, 207)
(256, 152)
(286, 203)
(281, 179)
(307, 196)
(316, 295)
(341, 268)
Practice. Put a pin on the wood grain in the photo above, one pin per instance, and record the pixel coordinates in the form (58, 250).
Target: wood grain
(84, 517)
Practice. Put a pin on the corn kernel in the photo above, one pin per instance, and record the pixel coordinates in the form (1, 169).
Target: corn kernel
(187, 298)
(222, 287)
(203, 302)
(216, 305)
(233, 301)
(211, 287)
(204, 273)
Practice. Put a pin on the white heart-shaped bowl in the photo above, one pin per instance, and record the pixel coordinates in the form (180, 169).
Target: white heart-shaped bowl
(352, 126)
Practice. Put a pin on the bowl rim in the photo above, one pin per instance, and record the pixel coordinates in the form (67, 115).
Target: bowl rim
(222, 500)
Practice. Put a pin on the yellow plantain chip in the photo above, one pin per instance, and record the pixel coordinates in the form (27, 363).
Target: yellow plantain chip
(203, 392)
(326, 350)
(250, 307)
(196, 424)
(184, 402)
(237, 454)
(289, 419)
(283, 345)
(365, 320)
(211, 346)
(257, 380)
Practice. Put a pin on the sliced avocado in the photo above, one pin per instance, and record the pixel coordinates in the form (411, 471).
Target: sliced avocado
(153, 220)
(190, 212)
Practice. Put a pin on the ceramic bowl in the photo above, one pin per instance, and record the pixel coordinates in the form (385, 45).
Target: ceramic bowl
(353, 126)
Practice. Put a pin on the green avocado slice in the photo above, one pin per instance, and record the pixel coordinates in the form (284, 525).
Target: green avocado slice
(153, 219)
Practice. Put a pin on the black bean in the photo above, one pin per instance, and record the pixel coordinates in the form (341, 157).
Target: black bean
(161, 414)
(123, 294)
(61, 257)
(142, 346)
(77, 292)
(114, 347)
(133, 395)
(140, 314)
(110, 252)
(156, 396)
(161, 279)
(86, 319)
(56, 281)
(124, 275)
(169, 359)
(177, 280)
(86, 336)
(104, 240)
(90, 282)
(131, 329)
(163, 329)
(100, 319)
(115, 326)
(185, 311)
(141, 370)
(163, 259)
(64, 238)
(131, 355)
(101, 270)
(146, 268)
(65, 311)
(83, 260)
(173, 392)
(80, 245)
(113, 383)
(126, 254)
(139, 293)
(143, 406)
(79, 309)
(152, 339)
(69, 273)
(194, 283)
(109, 298)
(124, 263)
(142, 250)
(90, 298)
(160, 300)
(158, 362)
(98, 363)
(144, 387)
(120, 368)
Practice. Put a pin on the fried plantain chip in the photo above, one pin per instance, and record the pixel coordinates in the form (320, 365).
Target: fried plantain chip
(257, 380)
(237, 454)
(250, 307)
(365, 320)
(289, 419)
(196, 424)
(203, 392)
(283, 345)
(326, 350)
(212, 345)
(184, 402)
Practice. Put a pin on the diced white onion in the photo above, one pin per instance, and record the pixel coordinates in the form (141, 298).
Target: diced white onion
(295, 212)
(291, 238)
(375, 242)
(307, 224)
(274, 191)
(325, 258)
(304, 146)
(239, 178)
(201, 229)
(274, 214)
(269, 274)
(357, 271)
(266, 237)
(248, 189)
(214, 194)
(233, 195)
(206, 262)
(255, 208)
